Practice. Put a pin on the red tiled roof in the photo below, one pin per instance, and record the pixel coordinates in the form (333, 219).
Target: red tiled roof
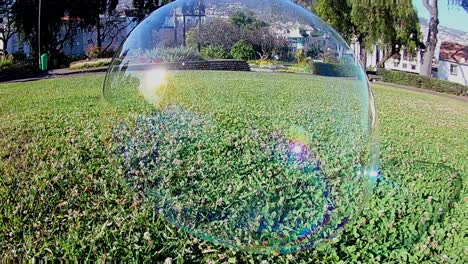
(453, 52)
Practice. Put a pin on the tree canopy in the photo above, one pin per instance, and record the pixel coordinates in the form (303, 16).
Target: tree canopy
(145, 7)
(59, 19)
(6, 18)
(380, 23)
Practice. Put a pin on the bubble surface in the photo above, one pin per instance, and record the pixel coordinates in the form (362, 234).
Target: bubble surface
(248, 123)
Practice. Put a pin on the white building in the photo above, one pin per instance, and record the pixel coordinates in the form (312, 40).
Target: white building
(82, 37)
(453, 63)
(405, 61)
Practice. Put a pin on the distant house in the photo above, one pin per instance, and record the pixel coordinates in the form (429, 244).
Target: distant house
(296, 40)
(405, 61)
(453, 62)
(15, 44)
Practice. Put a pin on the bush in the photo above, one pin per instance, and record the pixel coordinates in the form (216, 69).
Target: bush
(173, 54)
(16, 71)
(6, 62)
(159, 55)
(215, 52)
(90, 64)
(264, 62)
(301, 58)
(19, 57)
(243, 51)
(93, 52)
(423, 82)
(336, 70)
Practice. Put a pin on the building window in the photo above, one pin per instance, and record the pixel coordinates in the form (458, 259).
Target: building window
(396, 63)
(413, 67)
(405, 65)
(453, 69)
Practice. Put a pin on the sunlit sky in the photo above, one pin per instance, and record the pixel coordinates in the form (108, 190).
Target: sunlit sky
(451, 16)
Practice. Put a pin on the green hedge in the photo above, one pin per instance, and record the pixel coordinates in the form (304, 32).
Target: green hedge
(419, 81)
(242, 51)
(336, 70)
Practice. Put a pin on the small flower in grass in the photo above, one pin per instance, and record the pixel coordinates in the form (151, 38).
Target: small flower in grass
(429, 199)
(177, 162)
(147, 236)
(381, 213)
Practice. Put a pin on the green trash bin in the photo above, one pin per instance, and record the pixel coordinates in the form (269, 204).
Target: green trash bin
(44, 60)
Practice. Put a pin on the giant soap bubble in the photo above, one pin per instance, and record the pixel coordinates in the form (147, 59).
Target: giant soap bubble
(248, 123)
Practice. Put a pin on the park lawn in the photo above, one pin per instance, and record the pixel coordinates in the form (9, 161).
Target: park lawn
(60, 196)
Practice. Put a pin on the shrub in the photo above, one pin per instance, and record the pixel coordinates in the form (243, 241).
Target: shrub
(16, 71)
(6, 62)
(93, 52)
(301, 58)
(172, 54)
(215, 52)
(215, 33)
(159, 55)
(19, 57)
(90, 64)
(423, 82)
(336, 70)
(243, 51)
(264, 62)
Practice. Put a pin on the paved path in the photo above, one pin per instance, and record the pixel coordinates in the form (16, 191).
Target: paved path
(458, 98)
(62, 73)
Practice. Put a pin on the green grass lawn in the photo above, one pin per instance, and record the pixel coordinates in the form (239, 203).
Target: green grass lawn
(63, 194)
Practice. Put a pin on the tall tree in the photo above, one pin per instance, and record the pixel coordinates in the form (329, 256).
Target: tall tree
(380, 23)
(388, 26)
(431, 40)
(91, 12)
(146, 7)
(59, 20)
(26, 14)
(432, 7)
(338, 13)
(7, 28)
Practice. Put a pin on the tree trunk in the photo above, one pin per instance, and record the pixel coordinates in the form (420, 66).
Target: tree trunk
(431, 42)
(99, 34)
(5, 46)
(363, 55)
(185, 31)
(386, 57)
(176, 25)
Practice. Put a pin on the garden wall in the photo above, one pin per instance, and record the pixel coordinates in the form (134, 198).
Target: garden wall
(211, 65)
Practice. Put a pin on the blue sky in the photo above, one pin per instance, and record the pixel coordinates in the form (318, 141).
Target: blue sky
(449, 15)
